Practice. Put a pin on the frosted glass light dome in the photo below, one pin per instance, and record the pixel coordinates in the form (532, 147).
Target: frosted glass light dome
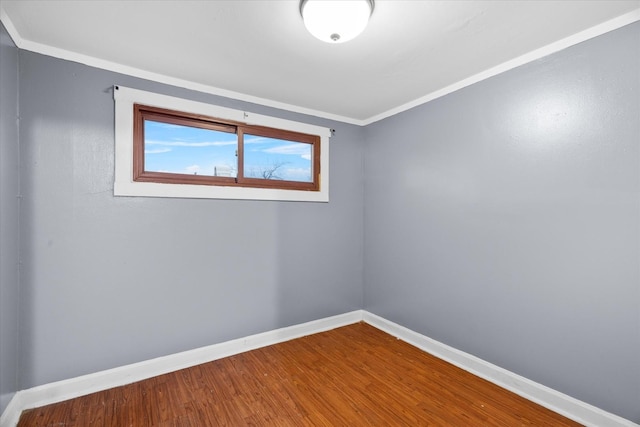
(336, 21)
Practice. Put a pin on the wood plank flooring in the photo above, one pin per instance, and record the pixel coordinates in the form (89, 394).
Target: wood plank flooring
(356, 375)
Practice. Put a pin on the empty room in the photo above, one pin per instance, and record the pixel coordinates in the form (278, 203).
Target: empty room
(320, 212)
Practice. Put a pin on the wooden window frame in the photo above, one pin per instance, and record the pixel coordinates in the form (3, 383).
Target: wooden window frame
(144, 112)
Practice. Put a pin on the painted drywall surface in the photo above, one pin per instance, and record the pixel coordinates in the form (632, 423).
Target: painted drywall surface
(9, 218)
(504, 220)
(110, 281)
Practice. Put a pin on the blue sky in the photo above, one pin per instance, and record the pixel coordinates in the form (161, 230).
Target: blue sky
(189, 150)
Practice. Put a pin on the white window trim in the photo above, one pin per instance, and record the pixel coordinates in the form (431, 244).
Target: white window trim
(124, 184)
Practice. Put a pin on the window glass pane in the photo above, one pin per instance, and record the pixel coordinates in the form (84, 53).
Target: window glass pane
(271, 158)
(189, 150)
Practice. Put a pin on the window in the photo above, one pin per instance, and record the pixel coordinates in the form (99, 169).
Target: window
(176, 147)
(172, 147)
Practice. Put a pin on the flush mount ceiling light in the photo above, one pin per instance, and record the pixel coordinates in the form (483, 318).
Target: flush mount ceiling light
(336, 21)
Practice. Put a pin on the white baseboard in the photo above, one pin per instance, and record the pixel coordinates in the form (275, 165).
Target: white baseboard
(11, 414)
(103, 380)
(563, 404)
(62, 390)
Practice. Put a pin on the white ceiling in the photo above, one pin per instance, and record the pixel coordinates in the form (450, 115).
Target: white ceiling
(259, 51)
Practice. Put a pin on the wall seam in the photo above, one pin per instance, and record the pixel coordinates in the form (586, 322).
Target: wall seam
(18, 351)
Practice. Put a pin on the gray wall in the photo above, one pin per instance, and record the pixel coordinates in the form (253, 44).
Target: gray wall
(504, 220)
(9, 218)
(110, 281)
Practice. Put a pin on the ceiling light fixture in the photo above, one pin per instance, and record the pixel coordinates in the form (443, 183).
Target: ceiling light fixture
(336, 21)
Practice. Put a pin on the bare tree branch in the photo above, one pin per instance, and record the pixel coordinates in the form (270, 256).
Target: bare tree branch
(268, 172)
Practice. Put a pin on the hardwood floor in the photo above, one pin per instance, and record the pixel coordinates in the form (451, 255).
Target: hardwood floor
(356, 375)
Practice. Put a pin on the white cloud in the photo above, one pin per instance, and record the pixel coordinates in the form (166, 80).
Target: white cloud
(296, 148)
(297, 174)
(190, 144)
(248, 139)
(157, 151)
